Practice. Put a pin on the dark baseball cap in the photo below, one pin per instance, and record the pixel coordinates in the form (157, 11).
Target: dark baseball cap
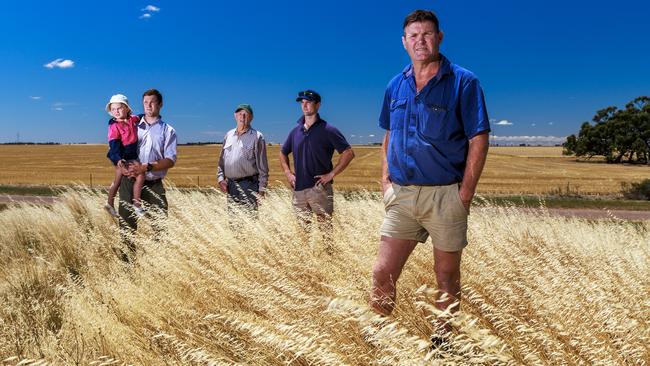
(310, 95)
(246, 107)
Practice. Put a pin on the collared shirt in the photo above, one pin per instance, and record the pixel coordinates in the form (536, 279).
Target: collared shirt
(243, 156)
(313, 150)
(156, 141)
(430, 130)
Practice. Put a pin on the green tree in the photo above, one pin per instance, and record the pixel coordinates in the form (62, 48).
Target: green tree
(616, 134)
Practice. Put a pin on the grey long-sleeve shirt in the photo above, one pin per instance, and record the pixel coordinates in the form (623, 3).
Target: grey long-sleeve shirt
(243, 156)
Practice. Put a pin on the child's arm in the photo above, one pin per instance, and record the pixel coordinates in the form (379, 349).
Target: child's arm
(115, 147)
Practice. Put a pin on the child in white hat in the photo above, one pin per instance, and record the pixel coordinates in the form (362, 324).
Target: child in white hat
(123, 149)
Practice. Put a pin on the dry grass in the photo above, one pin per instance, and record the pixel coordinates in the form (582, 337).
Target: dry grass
(538, 290)
(509, 170)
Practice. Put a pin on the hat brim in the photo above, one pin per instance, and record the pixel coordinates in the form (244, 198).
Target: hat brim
(246, 109)
(307, 98)
(108, 106)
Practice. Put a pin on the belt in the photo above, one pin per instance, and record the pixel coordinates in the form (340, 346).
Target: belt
(250, 177)
(152, 182)
(429, 185)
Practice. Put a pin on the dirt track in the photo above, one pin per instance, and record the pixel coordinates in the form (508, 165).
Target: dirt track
(569, 212)
(9, 198)
(590, 213)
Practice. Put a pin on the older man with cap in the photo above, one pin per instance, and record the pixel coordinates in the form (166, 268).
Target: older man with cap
(243, 170)
(312, 143)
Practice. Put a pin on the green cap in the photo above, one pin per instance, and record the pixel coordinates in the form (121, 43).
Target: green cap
(247, 107)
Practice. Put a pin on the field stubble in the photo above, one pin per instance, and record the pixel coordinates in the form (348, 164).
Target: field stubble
(509, 170)
(538, 289)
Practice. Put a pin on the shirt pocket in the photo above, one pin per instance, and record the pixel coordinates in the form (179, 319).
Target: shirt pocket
(227, 146)
(397, 113)
(434, 126)
(248, 150)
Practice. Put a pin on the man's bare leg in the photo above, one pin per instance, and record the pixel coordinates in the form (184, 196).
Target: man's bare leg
(447, 270)
(391, 258)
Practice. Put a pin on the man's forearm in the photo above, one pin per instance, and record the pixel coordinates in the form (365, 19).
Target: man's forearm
(476, 156)
(284, 161)
(344, 160)
(162, 164)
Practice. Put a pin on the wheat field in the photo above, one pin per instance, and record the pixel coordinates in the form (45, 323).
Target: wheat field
(232, 290)
(509, 170)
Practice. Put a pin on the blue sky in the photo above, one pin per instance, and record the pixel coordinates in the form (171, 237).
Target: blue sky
(545, 67)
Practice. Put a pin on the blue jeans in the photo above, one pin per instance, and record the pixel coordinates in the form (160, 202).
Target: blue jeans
(244, 191)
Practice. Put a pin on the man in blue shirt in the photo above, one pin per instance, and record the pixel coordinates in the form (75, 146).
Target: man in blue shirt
(312, 143)
(434, 150)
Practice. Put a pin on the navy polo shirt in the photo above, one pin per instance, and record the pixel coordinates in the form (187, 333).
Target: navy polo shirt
(313, 150)
(430, 130)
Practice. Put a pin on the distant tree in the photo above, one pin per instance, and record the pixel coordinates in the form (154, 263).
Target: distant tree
(616, 134)
(570, 145)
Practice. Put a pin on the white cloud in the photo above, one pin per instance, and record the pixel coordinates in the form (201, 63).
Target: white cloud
(550, 123)
(504, 122)
(528, 139)
(148, 11)
(60, 63)
(58, 106)
(151, 8)
(35, 97)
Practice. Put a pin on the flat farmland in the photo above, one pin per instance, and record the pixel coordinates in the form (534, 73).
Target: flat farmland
(509, 170)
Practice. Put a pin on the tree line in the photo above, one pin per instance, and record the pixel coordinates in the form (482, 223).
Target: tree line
(620, 135)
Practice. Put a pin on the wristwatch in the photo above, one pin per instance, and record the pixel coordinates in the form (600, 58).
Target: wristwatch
(149, 167)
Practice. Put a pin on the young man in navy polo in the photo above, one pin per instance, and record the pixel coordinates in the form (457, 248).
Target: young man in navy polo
(312, 143)
(434, 148)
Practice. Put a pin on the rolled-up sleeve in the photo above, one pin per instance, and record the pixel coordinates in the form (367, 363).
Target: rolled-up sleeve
(473, 110)
(220, 164)
(262, 162)
(384, 115)
(170, 145)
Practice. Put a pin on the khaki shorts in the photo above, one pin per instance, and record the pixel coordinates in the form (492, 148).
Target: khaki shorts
(416, 212)
(318, 199)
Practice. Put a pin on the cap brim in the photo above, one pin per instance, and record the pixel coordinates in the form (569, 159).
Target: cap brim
(307, 98)
(247, 110)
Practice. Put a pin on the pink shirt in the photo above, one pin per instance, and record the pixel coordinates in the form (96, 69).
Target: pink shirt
(124, 131)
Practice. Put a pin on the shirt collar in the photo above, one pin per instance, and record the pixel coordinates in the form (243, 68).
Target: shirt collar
(247, 132)
(445, 68)
(301, 120)
(142, 120)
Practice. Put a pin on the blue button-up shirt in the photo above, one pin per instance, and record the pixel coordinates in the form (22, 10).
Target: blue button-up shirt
(156, 142)
(430, 130)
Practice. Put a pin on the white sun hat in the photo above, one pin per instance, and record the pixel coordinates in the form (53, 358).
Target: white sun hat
(118, 98)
